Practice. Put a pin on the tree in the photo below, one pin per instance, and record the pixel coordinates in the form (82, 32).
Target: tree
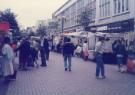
(84, 19)
(10, 17)
(41, 30)
(53, 26)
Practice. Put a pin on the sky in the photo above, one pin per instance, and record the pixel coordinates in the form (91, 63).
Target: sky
(30, 11)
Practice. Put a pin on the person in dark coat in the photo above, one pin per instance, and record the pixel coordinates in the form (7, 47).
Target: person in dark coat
(24, 52)
(42, 52)
(68, 49)
(120, 54)
(46, 48)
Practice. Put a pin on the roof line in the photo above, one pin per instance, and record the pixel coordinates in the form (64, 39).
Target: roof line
(62, 6)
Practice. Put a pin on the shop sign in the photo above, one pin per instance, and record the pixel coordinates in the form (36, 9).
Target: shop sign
(93, 28)
(102, 28)
(122, 26)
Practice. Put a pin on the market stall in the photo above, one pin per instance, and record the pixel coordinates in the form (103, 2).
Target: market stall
(131, 57)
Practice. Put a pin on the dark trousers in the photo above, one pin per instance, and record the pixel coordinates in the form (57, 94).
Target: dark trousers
(47, 55)
(67, 61)
(43, 58)
(100, 64)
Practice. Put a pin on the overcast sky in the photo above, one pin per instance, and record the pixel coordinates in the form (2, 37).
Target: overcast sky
(29, 11)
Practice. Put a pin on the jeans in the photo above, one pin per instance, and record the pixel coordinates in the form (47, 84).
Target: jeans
(100, 64)
(67, 61)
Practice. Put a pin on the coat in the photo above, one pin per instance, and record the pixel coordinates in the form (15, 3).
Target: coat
(8, 57)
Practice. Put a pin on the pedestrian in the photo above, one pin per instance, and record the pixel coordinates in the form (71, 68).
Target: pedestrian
(34, 53)
(46, 48)
(8, 57)
(68, 49)
(42, 53)
(24, 53)
(78, 51)
(59, 47)
(85, 51)
(114, 45)
(120, 55)
(99, 49)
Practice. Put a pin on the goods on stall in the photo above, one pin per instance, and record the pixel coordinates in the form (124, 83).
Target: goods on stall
(131, 65)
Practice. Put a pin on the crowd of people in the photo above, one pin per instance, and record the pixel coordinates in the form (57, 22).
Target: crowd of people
(27, 50)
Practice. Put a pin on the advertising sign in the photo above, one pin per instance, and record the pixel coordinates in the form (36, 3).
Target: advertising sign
(4, 26)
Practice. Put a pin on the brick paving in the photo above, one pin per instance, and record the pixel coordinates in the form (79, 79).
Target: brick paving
(53, 80)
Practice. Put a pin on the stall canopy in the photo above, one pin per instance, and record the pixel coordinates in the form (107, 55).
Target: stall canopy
(109, 35)
(76, 34)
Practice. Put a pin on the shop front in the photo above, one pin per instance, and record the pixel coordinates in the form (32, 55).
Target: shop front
(123, 29)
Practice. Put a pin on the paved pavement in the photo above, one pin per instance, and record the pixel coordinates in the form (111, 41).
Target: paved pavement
(3, 87)
(53, 80)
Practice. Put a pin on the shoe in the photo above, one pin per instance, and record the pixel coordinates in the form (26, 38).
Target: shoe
(103, 77)
(43, 65)
(65, 69)
(69, 69)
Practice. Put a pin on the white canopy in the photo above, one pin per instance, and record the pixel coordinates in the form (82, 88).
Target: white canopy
(73, 34)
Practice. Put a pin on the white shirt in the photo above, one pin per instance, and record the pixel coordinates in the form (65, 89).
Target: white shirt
(8, 52)
(78, 49)
(85, 47)
(99, 47)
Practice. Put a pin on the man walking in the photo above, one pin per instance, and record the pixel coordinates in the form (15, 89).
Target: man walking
(42, 52)
(68, 49)
(99, 58)
(46, 48)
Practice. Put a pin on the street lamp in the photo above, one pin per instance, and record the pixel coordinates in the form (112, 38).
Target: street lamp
(62, 19)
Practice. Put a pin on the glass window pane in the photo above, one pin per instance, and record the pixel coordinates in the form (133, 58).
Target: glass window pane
(123, 5)
(119, 6)
(127, 6)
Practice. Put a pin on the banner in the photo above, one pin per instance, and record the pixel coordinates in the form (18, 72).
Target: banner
(4, 26)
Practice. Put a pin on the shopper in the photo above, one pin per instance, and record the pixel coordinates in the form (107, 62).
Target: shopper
(68, 49)
(99, 49)
(42, 53)
(85, 51)
(46, 48)
(8, 57)
(120, 55)
(24, 52)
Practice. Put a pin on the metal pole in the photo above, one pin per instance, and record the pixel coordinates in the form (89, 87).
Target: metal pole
(62, 25)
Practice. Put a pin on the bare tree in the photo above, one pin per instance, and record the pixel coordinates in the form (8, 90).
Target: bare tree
(84, 19)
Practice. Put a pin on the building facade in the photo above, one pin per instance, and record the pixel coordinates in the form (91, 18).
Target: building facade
(116, 16)
(106, 15)
(71, 11)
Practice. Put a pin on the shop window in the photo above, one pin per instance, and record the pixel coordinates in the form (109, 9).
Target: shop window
(121, 6)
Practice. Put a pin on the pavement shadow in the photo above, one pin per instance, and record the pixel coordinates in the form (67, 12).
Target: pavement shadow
(3, 87)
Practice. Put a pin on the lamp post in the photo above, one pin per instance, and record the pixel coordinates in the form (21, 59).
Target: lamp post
(62, 23)
(62, 27)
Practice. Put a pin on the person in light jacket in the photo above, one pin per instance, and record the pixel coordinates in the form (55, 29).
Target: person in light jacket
(8, 57)
(99, 50)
